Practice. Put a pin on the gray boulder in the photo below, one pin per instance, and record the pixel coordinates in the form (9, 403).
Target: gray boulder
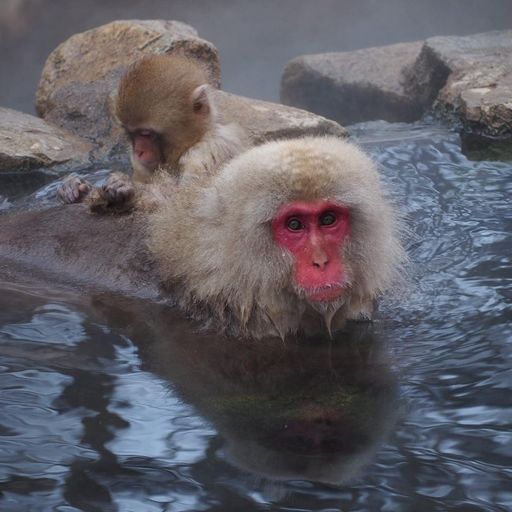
(264, 120)
(470, 78)
(467, 80)
(353, 86)
(28, 142)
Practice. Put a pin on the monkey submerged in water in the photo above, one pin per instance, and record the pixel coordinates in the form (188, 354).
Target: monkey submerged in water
(293, 236)
(166, 108)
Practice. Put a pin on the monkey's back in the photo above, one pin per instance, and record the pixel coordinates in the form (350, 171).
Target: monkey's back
(70, 245)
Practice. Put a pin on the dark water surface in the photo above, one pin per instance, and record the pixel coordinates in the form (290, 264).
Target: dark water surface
(108, 404)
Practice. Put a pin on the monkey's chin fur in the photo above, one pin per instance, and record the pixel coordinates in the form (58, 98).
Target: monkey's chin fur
(327, 309)
(326, 301)
(327, 293)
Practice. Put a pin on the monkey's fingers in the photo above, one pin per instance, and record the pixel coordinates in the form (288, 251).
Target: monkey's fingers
(73, 190)
(119, 191)
(124, 194)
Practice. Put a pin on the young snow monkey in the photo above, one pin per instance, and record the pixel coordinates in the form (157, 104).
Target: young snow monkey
(165, 105)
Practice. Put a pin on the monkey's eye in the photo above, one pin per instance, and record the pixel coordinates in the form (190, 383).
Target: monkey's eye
(294, 224)
(327, 219)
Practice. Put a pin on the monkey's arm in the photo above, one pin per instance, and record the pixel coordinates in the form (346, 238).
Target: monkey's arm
(120, 194)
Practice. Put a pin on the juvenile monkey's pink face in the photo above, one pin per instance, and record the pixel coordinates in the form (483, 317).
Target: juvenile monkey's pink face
(314, 233)
(146, 148)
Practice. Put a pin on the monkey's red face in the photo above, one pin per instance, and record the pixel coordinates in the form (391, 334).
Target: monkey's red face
(314, 233)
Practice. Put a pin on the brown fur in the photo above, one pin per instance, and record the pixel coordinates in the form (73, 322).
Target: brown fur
(168, 95)
(213, 239)
(71, 245)
(160, 93)
(156, 94)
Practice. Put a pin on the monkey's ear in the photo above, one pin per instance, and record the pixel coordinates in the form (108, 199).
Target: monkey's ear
(201, 101)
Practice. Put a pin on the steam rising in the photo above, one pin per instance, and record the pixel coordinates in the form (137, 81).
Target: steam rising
(255, 39)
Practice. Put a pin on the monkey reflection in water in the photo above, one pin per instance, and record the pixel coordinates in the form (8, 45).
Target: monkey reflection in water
(300, 410)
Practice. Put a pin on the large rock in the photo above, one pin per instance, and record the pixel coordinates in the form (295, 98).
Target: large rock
(467, 80)
(268, 121)
(353, 86)
(471, 77)
(28, 142)
(81, 74)
(80, 79)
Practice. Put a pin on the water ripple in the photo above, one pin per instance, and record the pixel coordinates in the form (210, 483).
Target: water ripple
(91, 419)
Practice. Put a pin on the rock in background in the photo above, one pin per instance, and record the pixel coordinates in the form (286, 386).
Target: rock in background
(80, 79)
(466, 80)
(351, 87)
(470, 78)
(266, 121)
(27, 142)
(81, 75)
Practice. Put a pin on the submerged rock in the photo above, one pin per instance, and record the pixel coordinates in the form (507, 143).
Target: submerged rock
(28, 142)
(467, 80)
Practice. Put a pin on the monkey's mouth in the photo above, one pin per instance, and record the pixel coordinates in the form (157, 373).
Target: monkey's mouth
(326, 293)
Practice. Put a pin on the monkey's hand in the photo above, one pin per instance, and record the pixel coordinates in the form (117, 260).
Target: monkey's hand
(116, 195)
(73, 189)
(118, 189)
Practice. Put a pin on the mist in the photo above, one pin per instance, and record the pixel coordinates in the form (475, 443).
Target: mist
(255, 38)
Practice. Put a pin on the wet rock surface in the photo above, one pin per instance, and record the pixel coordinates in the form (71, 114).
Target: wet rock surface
(467, 80)
(75, 90)
(28, 142)
(478, 86)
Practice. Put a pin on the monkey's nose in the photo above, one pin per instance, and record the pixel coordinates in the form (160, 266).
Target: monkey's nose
(320, 258)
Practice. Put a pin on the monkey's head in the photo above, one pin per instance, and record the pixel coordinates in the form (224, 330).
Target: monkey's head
(164, 107)
(290, 236)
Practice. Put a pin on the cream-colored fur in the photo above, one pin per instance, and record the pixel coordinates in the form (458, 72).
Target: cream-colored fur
(214, 245)
(219, 145)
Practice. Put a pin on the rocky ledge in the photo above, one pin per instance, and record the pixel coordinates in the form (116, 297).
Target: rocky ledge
(466, 80)
(28, 142)
(80, 79)
(79, 82)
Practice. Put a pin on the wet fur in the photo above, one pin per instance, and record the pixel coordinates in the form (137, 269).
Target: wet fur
(209, 245)
(73, 246)
(213, 239)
